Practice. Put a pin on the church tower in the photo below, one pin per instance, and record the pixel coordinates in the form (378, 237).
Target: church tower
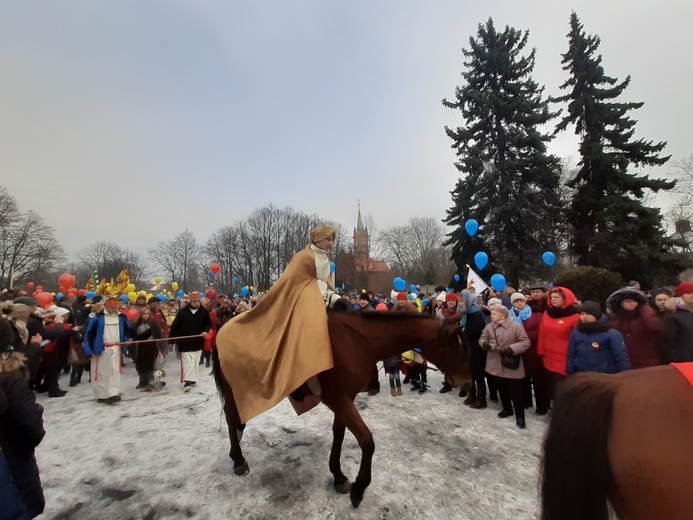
(361, 243)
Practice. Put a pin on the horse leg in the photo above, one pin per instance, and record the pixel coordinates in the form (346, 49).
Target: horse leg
(341, 483)
(347, 414)
(240, 465)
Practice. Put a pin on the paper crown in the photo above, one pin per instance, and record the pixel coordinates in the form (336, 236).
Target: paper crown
(194, 295)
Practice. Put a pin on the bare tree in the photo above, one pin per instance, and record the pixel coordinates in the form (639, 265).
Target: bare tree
(179, 259)
(684, 178)
(416, 250)
(108, 260)
(28, 248)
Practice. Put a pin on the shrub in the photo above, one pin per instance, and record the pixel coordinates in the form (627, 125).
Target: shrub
(590, 283)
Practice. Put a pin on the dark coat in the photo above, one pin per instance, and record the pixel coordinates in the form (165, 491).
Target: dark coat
(21, 430)
(677, 334)
(12, 505)
(596, 347)
(472, 327)
(532, 360)
(187, 324)
(640, 328)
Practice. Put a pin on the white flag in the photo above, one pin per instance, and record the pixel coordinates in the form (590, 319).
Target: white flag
(474, 280)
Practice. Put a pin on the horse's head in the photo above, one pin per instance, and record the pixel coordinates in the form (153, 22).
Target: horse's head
(450, 355)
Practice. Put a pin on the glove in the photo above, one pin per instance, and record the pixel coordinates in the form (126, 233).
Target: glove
(507, 351)
(486, 345)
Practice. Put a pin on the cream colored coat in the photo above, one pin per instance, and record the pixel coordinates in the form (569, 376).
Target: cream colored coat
(508, 333)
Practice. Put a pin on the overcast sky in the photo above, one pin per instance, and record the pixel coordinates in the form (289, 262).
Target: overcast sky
(130, 121)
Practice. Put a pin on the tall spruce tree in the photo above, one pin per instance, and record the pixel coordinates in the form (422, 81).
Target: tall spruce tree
(611, 225)
(508, 182)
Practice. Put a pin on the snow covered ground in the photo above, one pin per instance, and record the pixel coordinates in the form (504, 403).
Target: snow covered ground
(165, 456)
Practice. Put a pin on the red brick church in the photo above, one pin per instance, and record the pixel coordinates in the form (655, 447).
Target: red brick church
(357, 270)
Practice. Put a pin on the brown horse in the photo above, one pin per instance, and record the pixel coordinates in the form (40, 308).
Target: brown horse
(623, 440)
(358, 341)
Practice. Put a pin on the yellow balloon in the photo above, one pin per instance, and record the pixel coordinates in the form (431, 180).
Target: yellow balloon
(252, 288)
(150, 295)
(143, 293)
(174, 286)
(132, 296)
(157, 279)
(130, 288)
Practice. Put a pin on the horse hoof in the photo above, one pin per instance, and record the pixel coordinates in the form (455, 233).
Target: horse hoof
(355, 501)
(344, 488)
(241, 470)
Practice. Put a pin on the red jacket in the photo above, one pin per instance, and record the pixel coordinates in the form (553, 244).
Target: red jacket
(640, 330)
(554, 332)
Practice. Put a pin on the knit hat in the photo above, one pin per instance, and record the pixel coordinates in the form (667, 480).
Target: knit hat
(26, 300)
(364, 296)
(517, 296)
(401, 296)
(451, 297)
(494, 301)
(381, 307)
(590, 307)
(684, 288)
(441, 297)
(633, 283)
(500, 309)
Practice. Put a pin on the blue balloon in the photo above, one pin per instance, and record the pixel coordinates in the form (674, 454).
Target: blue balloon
(211, 273)
(399, 284)
(424, 302)
(244, 291)
(498, 282)
(90, 294)
(59, 296)
(123, 298)
(471, 227)
(254, 293)
(481, 260)
(456, 277)
(343, 287)
(234, 279)
(161, 297)
(333, 267)
(411, 297)
(412, 288)
(180, 293)
(549, 258)
(447, 290)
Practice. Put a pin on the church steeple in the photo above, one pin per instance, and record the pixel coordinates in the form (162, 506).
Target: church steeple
(359, 221)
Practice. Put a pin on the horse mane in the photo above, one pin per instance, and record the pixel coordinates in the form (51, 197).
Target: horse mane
(576, 477)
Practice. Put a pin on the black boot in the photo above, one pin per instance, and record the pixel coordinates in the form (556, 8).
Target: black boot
(446, 388)
(471, 395)
(73, 379)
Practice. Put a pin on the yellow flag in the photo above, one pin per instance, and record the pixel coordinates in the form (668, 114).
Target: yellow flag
(121, 282)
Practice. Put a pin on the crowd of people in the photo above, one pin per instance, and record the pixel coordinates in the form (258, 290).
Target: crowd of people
(519, 345)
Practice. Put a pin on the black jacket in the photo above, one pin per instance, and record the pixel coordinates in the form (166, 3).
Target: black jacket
(677, 335)
(187, 324)
(21, 430)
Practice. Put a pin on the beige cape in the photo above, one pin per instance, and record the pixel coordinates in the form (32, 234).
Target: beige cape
(269, 351)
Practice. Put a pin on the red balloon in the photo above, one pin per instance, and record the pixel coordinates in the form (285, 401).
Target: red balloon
(30, 285)
(39, 288)
(211, 294)
(215, 268)
(82, 292)
(45, 299)
(132, 314)
(66, 280)
(63, 289)
(34, 293)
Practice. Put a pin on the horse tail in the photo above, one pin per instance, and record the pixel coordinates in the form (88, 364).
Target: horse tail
(576, 475)
(219, 379)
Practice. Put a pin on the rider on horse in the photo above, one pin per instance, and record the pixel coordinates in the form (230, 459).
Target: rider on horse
(283, 342)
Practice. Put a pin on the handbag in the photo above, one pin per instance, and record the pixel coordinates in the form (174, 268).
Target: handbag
(510, 362)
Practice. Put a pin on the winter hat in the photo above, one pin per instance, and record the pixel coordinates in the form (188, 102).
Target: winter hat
(500, 309)
(401, 296)
(451, 297)
(590, 307)
(26, 300)
(633, 283)
(494, 301)
(364, 296)
(517, 296)
(381, 307)
(441, 297)
(60, 311)
(684, 288)
(6, 335)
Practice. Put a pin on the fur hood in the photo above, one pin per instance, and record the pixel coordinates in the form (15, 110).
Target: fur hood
(13, 363)
(613, 302)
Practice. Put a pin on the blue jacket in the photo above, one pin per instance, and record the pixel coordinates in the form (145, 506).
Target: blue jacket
(93, 337)
(595, 347)
(12, 506)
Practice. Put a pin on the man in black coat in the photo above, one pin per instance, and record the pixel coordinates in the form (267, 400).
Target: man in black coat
(21, 425)
(192, 320)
